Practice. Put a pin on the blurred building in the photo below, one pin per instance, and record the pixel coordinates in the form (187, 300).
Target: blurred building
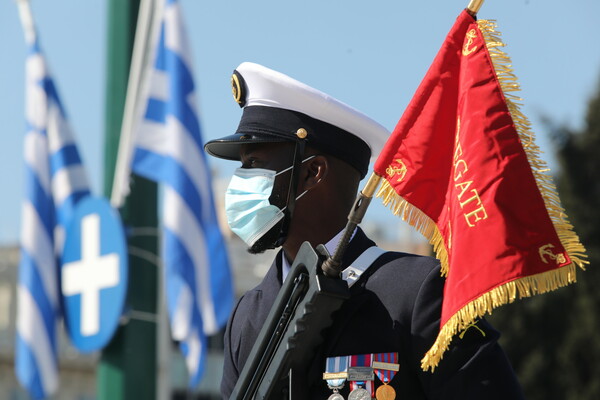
(77, 371)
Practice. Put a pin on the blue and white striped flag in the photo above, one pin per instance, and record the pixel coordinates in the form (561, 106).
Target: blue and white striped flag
(168, 148)
(55, 181)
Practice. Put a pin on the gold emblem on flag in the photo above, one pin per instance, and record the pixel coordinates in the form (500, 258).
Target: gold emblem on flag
(546, 252)
(471, 325)
(400, 171)
(467, 49)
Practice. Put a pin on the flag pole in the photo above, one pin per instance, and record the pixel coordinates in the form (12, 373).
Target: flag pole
(332, 267)
(128, 364)
(26, 20)
(141, 57)
(474, 6)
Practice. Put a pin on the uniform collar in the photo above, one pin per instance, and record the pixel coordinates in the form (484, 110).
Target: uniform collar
(331, 245)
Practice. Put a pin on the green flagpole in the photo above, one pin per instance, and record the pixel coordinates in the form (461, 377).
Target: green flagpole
(128, 364)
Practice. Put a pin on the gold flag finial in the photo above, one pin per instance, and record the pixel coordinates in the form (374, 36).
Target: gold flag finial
(474, 6)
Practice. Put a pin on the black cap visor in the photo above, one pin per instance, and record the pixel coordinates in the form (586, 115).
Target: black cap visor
(228, 147)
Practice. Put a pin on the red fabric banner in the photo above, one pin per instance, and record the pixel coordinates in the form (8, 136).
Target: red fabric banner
(458, 163)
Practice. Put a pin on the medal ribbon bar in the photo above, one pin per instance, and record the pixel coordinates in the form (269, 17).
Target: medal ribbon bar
(336, 372)
(385, 366)
(364, 362)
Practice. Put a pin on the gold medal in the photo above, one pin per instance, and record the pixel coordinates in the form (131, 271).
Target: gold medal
(385, 392)
(385, 366)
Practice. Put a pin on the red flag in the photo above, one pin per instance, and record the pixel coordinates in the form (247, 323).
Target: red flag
(462, 167)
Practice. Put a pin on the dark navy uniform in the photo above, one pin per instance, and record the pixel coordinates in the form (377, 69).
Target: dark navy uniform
(394, 307)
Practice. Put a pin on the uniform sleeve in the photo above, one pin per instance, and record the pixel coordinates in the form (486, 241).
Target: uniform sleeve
(475, 367)
(230, 365)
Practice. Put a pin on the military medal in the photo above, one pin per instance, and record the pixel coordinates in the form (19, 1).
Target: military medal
(336, 372)
(360, 376)
(385, 366)
(359, 394)
(385, 392)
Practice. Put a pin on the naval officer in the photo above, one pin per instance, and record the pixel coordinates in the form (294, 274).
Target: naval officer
(303, 154)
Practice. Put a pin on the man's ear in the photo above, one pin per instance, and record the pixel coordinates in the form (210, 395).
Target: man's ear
(316, 169)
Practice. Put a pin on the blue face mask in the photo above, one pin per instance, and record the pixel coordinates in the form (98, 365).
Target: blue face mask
(249, 213)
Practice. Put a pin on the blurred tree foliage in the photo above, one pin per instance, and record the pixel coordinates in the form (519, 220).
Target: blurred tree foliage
(553, 340)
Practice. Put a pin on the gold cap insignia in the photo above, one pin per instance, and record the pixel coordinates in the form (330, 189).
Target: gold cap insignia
(237, 88)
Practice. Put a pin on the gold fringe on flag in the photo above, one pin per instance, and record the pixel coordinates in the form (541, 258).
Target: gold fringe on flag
(522, 287)
(509, 84)
(503, 294)
(417, 219)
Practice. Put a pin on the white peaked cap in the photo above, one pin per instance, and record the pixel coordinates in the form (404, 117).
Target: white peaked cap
(279, 108)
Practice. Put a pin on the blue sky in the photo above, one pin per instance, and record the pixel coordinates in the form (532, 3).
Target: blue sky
(371, 55)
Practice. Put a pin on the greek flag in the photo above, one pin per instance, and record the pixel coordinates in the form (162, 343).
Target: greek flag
(168, 148)
(55, 180)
